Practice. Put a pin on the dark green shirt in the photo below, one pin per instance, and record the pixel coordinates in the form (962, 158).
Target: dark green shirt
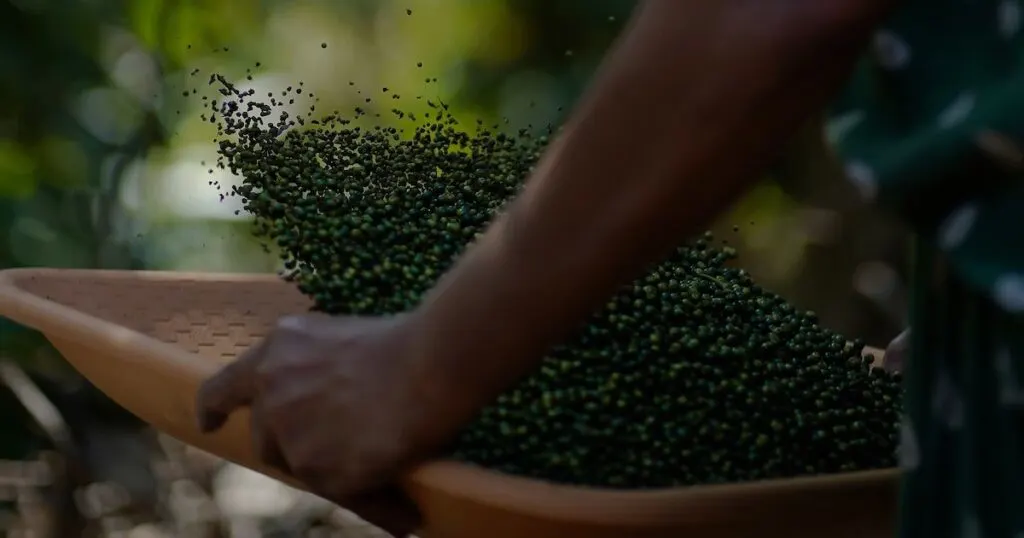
(941, 73)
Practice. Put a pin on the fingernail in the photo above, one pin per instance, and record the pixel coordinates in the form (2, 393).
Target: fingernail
(291, 322)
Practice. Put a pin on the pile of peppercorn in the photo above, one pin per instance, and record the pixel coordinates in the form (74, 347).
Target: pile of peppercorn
(692, 374)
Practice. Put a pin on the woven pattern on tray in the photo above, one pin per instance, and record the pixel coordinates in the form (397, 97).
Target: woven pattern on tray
(217, 319)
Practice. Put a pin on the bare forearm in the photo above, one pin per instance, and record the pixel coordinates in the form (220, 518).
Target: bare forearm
(688, 109)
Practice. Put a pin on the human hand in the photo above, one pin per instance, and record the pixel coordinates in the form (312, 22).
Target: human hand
(335, 403)
(897, 353)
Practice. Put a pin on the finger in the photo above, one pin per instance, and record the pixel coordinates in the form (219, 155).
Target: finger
(264, 442)
(232, 387)
(896, 352)
(338, 327)
(389, 509)
(876, 355)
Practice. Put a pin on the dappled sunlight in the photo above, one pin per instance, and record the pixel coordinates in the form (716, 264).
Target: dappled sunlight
(109, 159)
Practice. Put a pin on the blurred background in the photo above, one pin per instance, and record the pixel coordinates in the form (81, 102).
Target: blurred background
(104, 163)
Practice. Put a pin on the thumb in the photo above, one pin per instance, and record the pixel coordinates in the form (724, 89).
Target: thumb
(232, 387)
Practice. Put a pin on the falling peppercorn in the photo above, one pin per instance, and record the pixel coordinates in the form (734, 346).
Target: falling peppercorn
(692, 374)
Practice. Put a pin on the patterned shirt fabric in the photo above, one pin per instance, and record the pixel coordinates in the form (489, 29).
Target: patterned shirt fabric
(942, 74)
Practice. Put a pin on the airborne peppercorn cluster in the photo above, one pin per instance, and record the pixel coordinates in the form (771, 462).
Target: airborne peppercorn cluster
(693, 374)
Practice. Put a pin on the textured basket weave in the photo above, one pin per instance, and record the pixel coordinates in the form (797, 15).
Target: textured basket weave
(148, 339)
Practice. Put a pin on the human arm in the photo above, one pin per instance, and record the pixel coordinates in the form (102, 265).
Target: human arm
(688, 109)
(692, 104)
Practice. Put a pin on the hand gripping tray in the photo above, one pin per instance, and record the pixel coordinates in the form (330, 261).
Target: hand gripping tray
(148, 339)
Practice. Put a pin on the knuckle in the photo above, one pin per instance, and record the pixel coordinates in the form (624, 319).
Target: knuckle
(278, 355)
(265, 369)
(265, 375)
(290, 325)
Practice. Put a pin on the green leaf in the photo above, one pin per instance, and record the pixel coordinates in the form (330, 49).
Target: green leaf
(17, 171)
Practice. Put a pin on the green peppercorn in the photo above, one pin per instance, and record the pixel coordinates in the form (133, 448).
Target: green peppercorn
(691, 374)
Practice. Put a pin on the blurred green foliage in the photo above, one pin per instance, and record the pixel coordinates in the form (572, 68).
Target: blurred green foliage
(102, 157)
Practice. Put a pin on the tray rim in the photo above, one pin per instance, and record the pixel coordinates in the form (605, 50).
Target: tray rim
(475, 485)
